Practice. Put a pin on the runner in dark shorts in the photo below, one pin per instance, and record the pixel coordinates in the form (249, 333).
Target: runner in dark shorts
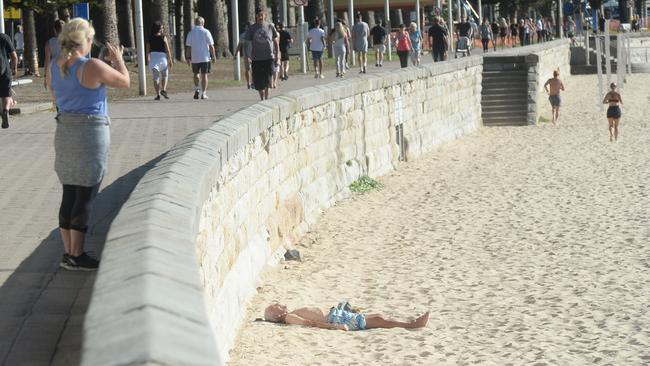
(262, 74)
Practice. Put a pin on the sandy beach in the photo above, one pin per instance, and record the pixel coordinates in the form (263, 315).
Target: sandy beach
(528, 245)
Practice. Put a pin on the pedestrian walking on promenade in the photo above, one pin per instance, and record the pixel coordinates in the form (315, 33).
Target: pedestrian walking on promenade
(340, 42)
(416, 43)
(495, 33)
(264, 52)
(8, 67)
(486, 34)
(522, 32)
(553, 87)
(82, 136)
(514, 34)
(284, 43)
(348, 49)
(360, 33)
(539, 26)
(244, 49)
(503, 31)
(379, 36)
(571, 30)
(19, 45)
(403, 46)
(614, 99)
(316, 43)
(439, 40)
(159, 57)
(199, 51)
(52, 49)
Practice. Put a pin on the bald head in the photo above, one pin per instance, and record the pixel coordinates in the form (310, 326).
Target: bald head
(275, 313)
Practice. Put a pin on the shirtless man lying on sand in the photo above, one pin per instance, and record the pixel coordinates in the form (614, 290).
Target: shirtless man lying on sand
(338, 318)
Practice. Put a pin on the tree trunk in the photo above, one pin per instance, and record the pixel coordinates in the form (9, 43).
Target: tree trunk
(125, 25)
(188, 16)
(105, 22)
(222, 43)
(179, 40)
(216, 21)
(31, 48)
(155, 10)
(314, 9)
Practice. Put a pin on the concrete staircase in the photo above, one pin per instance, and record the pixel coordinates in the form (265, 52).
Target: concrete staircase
(504, 98)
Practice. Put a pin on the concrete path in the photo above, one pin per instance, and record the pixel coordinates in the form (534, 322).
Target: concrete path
(42, 307)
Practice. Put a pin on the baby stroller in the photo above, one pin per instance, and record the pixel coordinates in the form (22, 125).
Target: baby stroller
(463, 47)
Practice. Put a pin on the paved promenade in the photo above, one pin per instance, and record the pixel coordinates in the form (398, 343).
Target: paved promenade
(42, 307)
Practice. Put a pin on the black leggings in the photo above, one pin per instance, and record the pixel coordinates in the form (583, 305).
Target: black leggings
(75, 207)
(403, 58)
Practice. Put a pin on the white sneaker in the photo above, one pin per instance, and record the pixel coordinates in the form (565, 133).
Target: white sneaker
(204, 95)
(322, 76)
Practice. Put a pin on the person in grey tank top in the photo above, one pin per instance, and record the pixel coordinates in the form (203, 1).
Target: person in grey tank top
(360, 33)
(82, 135)
(52, 49)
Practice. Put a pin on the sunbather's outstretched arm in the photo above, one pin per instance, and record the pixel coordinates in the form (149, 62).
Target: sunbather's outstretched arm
(298, 320)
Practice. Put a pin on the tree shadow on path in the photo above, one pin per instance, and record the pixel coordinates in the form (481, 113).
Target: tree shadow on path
(42, 307)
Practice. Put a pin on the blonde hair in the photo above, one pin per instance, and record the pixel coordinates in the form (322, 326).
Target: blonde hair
(72, 38)
(340, 30)
(413, 25)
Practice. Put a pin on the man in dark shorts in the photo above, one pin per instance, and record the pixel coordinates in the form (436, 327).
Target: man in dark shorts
(8, 66)
(199, 46)
(264, 52)
(285, 43)
(439, 40)
(379, 35)
(553, 87)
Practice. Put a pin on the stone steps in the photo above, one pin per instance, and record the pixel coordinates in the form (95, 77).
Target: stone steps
(504, 96)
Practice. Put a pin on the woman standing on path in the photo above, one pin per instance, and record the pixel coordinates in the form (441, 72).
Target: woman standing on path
(340, 43)
(82, 136)
(160, 59)
(404, 45)
(486, 34)
(416, 43)
(613, 98)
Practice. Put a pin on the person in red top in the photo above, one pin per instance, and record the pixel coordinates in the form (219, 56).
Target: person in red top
(404, 45)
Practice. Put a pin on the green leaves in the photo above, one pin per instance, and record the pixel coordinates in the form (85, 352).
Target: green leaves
(365, 184)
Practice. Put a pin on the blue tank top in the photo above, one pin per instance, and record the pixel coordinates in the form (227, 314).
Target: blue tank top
(72, 97)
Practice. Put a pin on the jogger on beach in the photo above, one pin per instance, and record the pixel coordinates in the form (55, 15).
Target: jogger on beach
(553, 87)
(613, 98)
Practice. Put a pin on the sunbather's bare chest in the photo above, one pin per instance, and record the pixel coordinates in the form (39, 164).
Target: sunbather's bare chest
(314, 314)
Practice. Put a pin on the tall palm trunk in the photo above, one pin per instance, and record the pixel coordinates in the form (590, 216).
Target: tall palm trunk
(180, 29)
(216, 21)
(126, 29)
(156, 10)
(106, 22)
(31, 48)
(188, 16)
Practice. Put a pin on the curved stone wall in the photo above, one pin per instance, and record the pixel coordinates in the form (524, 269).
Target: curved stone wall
(225, 202)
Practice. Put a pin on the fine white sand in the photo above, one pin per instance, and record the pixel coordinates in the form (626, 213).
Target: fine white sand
(529, 245)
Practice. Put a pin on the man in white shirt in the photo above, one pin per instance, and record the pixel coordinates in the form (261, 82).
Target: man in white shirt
(19, 43)
(316, 42)
(199, 46)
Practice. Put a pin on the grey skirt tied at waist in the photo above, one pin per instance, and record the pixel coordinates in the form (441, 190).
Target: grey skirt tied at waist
(81, 145)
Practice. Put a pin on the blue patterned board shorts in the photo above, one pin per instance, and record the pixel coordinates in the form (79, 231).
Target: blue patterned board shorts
(354, 321)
